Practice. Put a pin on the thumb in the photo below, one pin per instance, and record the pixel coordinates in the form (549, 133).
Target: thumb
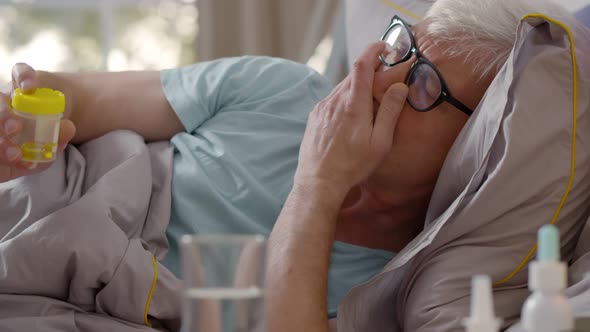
(67, 130)
(389, 111)
(24, 77)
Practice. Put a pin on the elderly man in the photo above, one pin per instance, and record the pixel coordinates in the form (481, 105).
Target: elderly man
(367, 165)
(348, 196)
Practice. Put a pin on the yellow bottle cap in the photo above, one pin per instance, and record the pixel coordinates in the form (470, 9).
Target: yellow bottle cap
(42, 101)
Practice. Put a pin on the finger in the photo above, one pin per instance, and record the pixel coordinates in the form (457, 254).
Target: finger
(25, 168)
(391, 107)
(372, 52)
(9, 152)
(13, 173)
(333, 103)
(31, 167)
(67, 131)
(343, 85)
(24, 77)
(6, 89)
(385, 79)
(10, 125)
(363, 72)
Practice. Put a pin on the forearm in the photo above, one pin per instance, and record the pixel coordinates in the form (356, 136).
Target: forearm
(344, 142)
(299, 252)
(98, 103)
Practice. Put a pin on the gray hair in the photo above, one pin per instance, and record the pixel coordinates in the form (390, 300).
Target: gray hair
(483, 32)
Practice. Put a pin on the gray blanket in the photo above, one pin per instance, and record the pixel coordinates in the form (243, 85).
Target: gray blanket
(80, 242)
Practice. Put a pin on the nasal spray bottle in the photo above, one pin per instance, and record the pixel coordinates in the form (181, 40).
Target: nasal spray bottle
(482, 318)
(547, 309)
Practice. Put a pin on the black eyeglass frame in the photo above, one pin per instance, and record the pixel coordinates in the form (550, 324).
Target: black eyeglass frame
(445, 94)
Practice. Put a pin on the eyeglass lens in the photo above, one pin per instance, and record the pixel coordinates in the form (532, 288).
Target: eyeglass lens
(424, 83)
(424, 86)
(397, 44)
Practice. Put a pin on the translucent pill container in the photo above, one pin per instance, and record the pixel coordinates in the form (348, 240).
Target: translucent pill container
(40, 113)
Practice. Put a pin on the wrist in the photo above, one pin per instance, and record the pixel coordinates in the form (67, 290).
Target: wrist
(321, 191)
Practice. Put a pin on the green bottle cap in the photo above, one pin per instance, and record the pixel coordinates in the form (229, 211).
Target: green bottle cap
(548, 238)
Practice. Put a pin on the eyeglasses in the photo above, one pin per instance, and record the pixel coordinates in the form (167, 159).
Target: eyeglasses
(427, 88)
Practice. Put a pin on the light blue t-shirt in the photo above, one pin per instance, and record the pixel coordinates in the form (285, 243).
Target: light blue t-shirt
(234, 166)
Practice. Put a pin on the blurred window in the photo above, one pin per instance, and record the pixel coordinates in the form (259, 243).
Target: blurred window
(73, 35)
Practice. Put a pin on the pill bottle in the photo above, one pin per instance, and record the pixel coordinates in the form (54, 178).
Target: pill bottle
(40, 113)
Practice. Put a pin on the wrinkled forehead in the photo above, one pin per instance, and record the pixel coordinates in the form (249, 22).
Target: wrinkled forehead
(430, 48)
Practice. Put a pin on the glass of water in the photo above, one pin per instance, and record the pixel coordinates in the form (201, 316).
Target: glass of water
(224, 282)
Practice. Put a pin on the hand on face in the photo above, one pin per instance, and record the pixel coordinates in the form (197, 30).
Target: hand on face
(345, 140)
(11, 165)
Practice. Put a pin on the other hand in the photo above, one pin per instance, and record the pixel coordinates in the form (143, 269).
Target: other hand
(345, 139)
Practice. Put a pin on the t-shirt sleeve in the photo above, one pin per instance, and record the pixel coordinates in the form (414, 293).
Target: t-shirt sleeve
(198, 92)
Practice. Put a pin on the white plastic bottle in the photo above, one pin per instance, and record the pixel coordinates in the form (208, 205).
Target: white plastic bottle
(547, 309)
(482, 317)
